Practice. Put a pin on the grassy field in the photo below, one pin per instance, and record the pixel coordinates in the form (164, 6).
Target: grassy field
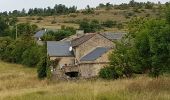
(120, 16)
(20, 83)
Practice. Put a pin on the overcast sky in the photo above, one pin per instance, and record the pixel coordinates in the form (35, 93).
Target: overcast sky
(9, 5)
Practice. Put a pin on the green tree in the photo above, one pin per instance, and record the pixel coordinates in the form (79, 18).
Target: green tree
(90, 26)
(4, 28)
(42, 68)
(88, 10)
(31, 56)
(151, 45)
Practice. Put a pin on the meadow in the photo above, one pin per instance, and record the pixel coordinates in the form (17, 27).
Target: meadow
(102, 15)
(20, 83)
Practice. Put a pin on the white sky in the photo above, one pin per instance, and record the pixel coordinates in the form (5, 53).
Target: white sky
(9, 5)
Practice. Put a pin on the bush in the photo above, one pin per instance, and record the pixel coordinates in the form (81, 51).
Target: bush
(42, 68)
(53, 22)
(106, 73)
(39, 18)
(129, 14)
(90, 26)
(73, 15)
(109, 23)
(22, 51)
(120, 26)
(109, 73)
(31, 56)
(88, 10)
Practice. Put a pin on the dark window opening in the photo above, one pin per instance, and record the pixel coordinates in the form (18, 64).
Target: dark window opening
(72, 74)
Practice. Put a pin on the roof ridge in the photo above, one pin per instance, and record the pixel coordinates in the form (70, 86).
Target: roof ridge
(87, 36)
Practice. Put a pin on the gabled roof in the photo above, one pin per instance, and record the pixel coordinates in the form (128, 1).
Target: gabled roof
(59, 49)
(95, 54)
(39, 34)
(82, 39)
(113, 36)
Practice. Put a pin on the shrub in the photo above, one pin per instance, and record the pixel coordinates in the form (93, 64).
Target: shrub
(109, 23)
(31, 56)
(53, 22)
(106, 73)
(73, 15)
(120, 26)
(90, 26)
(39, 18)
(42, 68)
(147, 15)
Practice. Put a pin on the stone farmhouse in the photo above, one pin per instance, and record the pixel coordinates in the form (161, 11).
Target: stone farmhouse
(81, 56)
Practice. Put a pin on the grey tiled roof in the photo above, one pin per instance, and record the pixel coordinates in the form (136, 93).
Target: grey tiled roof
(39, 34)
(96, 53)
(82, 39)
(113, 36)
(59, 49)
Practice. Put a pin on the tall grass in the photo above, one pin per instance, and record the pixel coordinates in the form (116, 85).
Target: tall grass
(20, 83)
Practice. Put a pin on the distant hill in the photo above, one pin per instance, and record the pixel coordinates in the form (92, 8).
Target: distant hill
(60, 15)
(101, 14)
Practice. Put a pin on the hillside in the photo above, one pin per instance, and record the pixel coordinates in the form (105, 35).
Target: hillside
(20, 83)
(100, 14)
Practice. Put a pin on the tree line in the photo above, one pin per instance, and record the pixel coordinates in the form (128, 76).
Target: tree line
(58, 9)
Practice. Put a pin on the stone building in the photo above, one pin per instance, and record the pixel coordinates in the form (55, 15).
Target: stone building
(83, 56)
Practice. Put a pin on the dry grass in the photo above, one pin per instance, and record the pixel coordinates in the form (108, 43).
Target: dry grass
(100, 15)
(20, 83)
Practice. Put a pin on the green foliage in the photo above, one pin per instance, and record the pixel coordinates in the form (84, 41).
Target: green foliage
(23, 30)
(145, 49)
(108, 73)
(120, 26)
(4, 28)
(48, 69)
(149, 5)
(88, 10)
(49, 36)
(109, 6)
(109, 23)
(168, 14)
(56, 10)
(39, 18)
(90, 26)
(5, 48)
(13, 21)
(35, 53)
(42, 68)
(59, 35)
(23, 51)
(151, 46)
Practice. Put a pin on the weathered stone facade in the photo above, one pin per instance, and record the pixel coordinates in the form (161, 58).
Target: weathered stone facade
(95, 41)
(63, 61)
(92, 68)
(85, 47)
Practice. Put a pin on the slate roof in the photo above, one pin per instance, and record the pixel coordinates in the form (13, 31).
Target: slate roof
(39, 34)
(113, 36)
(82, 39)
(59, 49)
(96, 53)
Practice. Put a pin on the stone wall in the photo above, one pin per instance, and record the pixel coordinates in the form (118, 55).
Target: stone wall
(69, 61)
(90, 70)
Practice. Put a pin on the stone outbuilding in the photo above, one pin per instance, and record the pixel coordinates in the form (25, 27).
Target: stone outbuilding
(83, 56)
